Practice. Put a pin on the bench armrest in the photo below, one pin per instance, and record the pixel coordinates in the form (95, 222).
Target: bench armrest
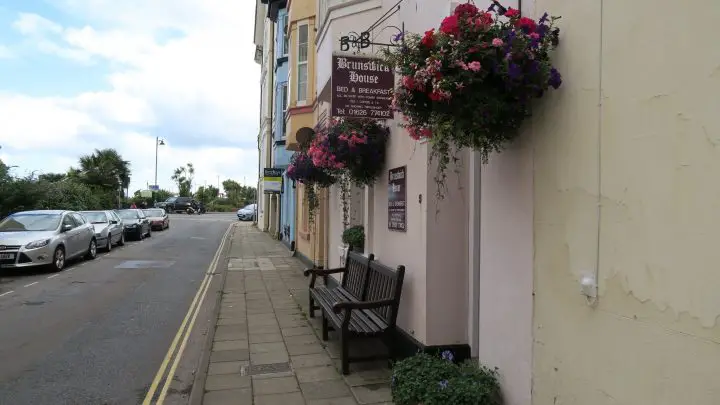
(324, 273)
(340, 306)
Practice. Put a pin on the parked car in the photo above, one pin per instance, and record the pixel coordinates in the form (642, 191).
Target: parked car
(135, 223)
(158, 218)
(45, 238)
(108, 228)
(247, 213)
(177, 204)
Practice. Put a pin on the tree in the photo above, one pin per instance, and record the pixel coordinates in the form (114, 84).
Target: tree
(238, 194)
(206, 194)
(183, 177)
(53, 177)
(105, 172)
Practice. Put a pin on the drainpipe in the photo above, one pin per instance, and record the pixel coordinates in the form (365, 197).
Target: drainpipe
(269, 120)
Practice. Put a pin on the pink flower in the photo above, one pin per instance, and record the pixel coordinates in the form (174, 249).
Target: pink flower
(497, 42)
(534, 35)
(474, 66)
(461, 64)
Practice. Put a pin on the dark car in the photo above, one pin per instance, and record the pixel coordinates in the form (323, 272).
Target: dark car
(137, 225)
(176, 204)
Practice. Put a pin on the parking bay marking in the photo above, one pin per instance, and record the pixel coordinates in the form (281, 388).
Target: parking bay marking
(31, 284)
(6, 293)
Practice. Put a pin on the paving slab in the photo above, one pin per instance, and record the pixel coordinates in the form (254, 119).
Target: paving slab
(265, 350)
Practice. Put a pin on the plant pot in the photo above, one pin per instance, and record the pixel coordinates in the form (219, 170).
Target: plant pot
(358, 249)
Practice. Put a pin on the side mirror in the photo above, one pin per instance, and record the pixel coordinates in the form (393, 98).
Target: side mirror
(66, 228)
(114, 222)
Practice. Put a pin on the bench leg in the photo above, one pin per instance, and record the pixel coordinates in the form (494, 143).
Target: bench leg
(324, 327)
(345, 352)
(311, 310)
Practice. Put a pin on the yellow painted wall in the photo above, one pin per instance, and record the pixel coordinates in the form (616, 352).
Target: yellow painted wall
(650, 159)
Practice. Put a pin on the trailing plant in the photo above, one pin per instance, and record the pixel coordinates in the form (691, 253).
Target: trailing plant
(303, 170)
(344, 183)
(354, 147)
(354, 236)
(471, 83)
(431, 380)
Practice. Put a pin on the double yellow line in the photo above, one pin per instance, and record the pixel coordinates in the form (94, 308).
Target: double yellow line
(184, 333)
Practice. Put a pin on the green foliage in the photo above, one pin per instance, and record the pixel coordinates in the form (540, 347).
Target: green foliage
(95, 184)
(238, 194)
(431, 380)
(183, 177)
(206, 194)
(354, 236)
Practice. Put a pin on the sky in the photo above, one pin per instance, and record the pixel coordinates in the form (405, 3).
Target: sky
(80, 75)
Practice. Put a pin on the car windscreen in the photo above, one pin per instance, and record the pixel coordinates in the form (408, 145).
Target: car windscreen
(128, 214)
(249, 207)
(95, 217)
(30, 222)
(154, 213)
(171, 199)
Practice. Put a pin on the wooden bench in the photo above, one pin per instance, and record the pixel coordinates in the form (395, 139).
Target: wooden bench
(365, 304)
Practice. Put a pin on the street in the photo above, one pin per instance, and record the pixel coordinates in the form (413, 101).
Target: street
(97, 332)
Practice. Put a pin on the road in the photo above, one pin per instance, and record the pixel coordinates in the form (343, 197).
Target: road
(98, 332)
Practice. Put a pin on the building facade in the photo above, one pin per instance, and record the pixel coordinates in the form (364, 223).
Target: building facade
(285, 201)
(607, 191)
(300, 120)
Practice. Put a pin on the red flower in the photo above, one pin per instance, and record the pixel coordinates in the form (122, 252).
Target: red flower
(485, 18)
(450, 25)
(526, 24)
(409, 82)
(466, 9)
(429, 38)
(511, 13)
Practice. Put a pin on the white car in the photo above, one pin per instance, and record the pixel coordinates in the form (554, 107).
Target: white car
(45, 238)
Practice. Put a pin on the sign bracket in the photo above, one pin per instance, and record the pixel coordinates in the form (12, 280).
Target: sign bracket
(363, 40)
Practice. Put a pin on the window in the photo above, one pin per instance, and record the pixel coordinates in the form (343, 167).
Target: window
(302, 68)
(286, 36)
(284, 101)
(68, 221)
(78, 219)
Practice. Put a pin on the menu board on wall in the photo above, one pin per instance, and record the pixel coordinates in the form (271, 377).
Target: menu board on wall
(397, 199)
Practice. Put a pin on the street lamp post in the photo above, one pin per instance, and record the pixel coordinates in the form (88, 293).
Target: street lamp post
(158, 142)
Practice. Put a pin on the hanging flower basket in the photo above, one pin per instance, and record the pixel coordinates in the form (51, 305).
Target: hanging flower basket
(471, 83)
(353, 147)
(303, 170)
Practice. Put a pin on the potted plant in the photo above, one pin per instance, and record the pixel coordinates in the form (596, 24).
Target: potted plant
(425, 379)
(472, 82)
(354, 237)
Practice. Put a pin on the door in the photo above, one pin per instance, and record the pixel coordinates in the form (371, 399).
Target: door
(85, 233)
(71, 242)
(115, 229)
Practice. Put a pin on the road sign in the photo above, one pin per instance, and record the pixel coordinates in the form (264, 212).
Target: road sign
(154, 187)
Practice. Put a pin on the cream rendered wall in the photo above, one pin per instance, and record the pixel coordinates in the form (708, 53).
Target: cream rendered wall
(626, 165)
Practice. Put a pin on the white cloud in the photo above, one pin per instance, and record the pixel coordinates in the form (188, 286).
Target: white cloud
(198, 89)
(6, 53)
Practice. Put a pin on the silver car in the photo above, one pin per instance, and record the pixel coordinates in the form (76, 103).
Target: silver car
(45, 238)
(108, 228)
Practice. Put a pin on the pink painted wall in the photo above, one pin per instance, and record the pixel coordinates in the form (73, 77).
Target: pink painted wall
(506, 270)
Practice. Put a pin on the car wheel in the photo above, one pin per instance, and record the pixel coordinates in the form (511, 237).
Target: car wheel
(140, 234)
(122, 239)
(92, 250)
(149, 234)
(58, 262)
(109, 243)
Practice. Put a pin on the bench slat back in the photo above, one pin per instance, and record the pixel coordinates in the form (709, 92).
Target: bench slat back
(353, 281)
(384, 283)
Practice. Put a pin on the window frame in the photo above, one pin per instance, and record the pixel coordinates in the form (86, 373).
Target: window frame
(298, 64)
(286, 36)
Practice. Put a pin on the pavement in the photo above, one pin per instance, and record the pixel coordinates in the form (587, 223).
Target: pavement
(262, 349)
(100, 331)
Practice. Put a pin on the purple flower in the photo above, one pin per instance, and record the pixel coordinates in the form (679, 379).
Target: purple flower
(443, 384)
(514, 71)
(544, 18)
(398, 37)
(555, 79)
(447, 355)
